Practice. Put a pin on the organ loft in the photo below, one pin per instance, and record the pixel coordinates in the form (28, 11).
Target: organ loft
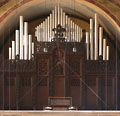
(60, 65)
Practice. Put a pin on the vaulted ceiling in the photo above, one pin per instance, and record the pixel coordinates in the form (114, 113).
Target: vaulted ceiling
(108, 10)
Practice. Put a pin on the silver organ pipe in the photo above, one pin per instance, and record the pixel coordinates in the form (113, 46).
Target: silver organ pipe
(39, 36)
(79, 34)
(100, 40)
(61, 15)
(41, 32)
(53, 21)
(50, 26)
(75, 33)
(73, 40)
(25, 40)
(58, 14)
(107, 54)
(17, 39)
(69, 33)
(10, 53)
(87, 45)
(64, 19)
(91, 40)
(46, 30)
(21, 37)
(44, 36)
(96, 36)
(66, 26)
(13, 50)
(55, 16)
(104, 49)
(37, 32)
(30, 47)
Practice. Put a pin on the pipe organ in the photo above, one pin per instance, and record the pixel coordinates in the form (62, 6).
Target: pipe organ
(96, 46)
(68, 62)
(23, 47)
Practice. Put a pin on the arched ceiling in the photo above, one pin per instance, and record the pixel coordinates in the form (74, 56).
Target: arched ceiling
(108, 10)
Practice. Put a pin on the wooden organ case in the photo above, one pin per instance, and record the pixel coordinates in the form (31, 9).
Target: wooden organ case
(58, 71)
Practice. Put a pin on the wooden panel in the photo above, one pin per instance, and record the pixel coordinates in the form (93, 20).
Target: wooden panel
(59, 87)
(42, 93)
(26, 93)
(92, 94)
(76, 92)
(43, 67)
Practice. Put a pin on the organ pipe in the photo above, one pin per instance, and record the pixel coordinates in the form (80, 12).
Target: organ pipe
(13, 50)
(58, 14)
(17, 42)
(104, 49)
(81, 33)
(10, 53)
(87, 44)
(44, 35)
(50, 25)
(48, 29)
(39, 33)
(108, 50)
(77, 33)
(91, 40)
(30, 47)
(66, 25)
(25, 40)
(41, 38)
(55, 16)
(64, 19)
(61, 12)
(100, 40)
(96, 36)
(71, 31)
(53, 21)
(21, 37)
